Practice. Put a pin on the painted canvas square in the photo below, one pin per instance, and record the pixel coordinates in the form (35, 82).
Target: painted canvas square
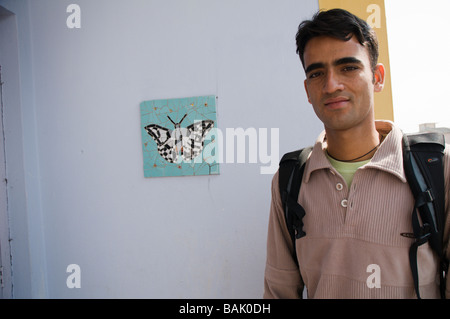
(178, 136)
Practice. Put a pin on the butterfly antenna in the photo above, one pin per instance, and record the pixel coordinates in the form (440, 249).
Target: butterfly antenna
(182, 118)
(171, 120)
(178, 122)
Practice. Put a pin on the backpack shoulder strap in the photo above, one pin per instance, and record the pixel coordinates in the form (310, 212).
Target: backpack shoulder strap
(423, 161)
(291, 170)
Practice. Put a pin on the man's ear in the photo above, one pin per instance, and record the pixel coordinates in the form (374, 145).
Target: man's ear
(379, 77)
(307, 93)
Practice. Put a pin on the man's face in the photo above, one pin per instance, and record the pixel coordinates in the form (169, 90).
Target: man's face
(340, 82)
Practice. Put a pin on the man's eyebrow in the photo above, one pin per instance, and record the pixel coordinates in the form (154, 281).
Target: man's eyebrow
(313, 67)
(347, 60)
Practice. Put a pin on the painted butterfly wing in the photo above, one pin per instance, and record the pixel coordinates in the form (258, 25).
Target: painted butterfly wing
(164, 141)
(194, 142)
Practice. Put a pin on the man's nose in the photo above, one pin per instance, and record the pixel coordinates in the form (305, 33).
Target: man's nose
(332, 83)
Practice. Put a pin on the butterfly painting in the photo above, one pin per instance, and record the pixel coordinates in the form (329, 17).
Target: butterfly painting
(178, 136)
(187, 141)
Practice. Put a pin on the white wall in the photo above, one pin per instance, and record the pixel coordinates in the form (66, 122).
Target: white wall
(178, 237)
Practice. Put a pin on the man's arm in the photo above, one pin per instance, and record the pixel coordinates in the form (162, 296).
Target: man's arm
(282, 277)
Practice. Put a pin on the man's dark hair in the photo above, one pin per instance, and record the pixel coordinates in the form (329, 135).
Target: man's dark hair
(340, 24)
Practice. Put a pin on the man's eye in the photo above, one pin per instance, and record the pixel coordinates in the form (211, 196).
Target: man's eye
(314, 75)
(350, 68)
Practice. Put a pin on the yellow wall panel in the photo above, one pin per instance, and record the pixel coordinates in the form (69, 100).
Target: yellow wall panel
(373, 12)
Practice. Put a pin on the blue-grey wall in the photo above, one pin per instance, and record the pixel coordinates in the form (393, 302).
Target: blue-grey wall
(85, 200)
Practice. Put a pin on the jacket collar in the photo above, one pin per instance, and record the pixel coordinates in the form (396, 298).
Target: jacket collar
(388, 157)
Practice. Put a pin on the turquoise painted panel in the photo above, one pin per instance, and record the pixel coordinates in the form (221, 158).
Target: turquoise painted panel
(179, 136)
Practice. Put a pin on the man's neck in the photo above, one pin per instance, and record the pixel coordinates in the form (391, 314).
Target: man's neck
(359, 143)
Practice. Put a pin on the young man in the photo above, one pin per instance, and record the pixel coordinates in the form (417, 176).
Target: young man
(354, 189)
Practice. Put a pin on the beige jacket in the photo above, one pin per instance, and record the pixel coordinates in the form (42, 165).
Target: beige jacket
(353, 247)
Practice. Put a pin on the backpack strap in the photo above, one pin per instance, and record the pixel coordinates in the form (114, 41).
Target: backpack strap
(423, 161)
(292, 166)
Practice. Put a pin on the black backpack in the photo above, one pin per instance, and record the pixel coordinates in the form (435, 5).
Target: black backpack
(423, 161)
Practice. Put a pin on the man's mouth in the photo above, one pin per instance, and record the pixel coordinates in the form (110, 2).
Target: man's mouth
(336, 102)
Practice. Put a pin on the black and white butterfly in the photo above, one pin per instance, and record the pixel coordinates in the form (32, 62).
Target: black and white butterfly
(188, 141)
